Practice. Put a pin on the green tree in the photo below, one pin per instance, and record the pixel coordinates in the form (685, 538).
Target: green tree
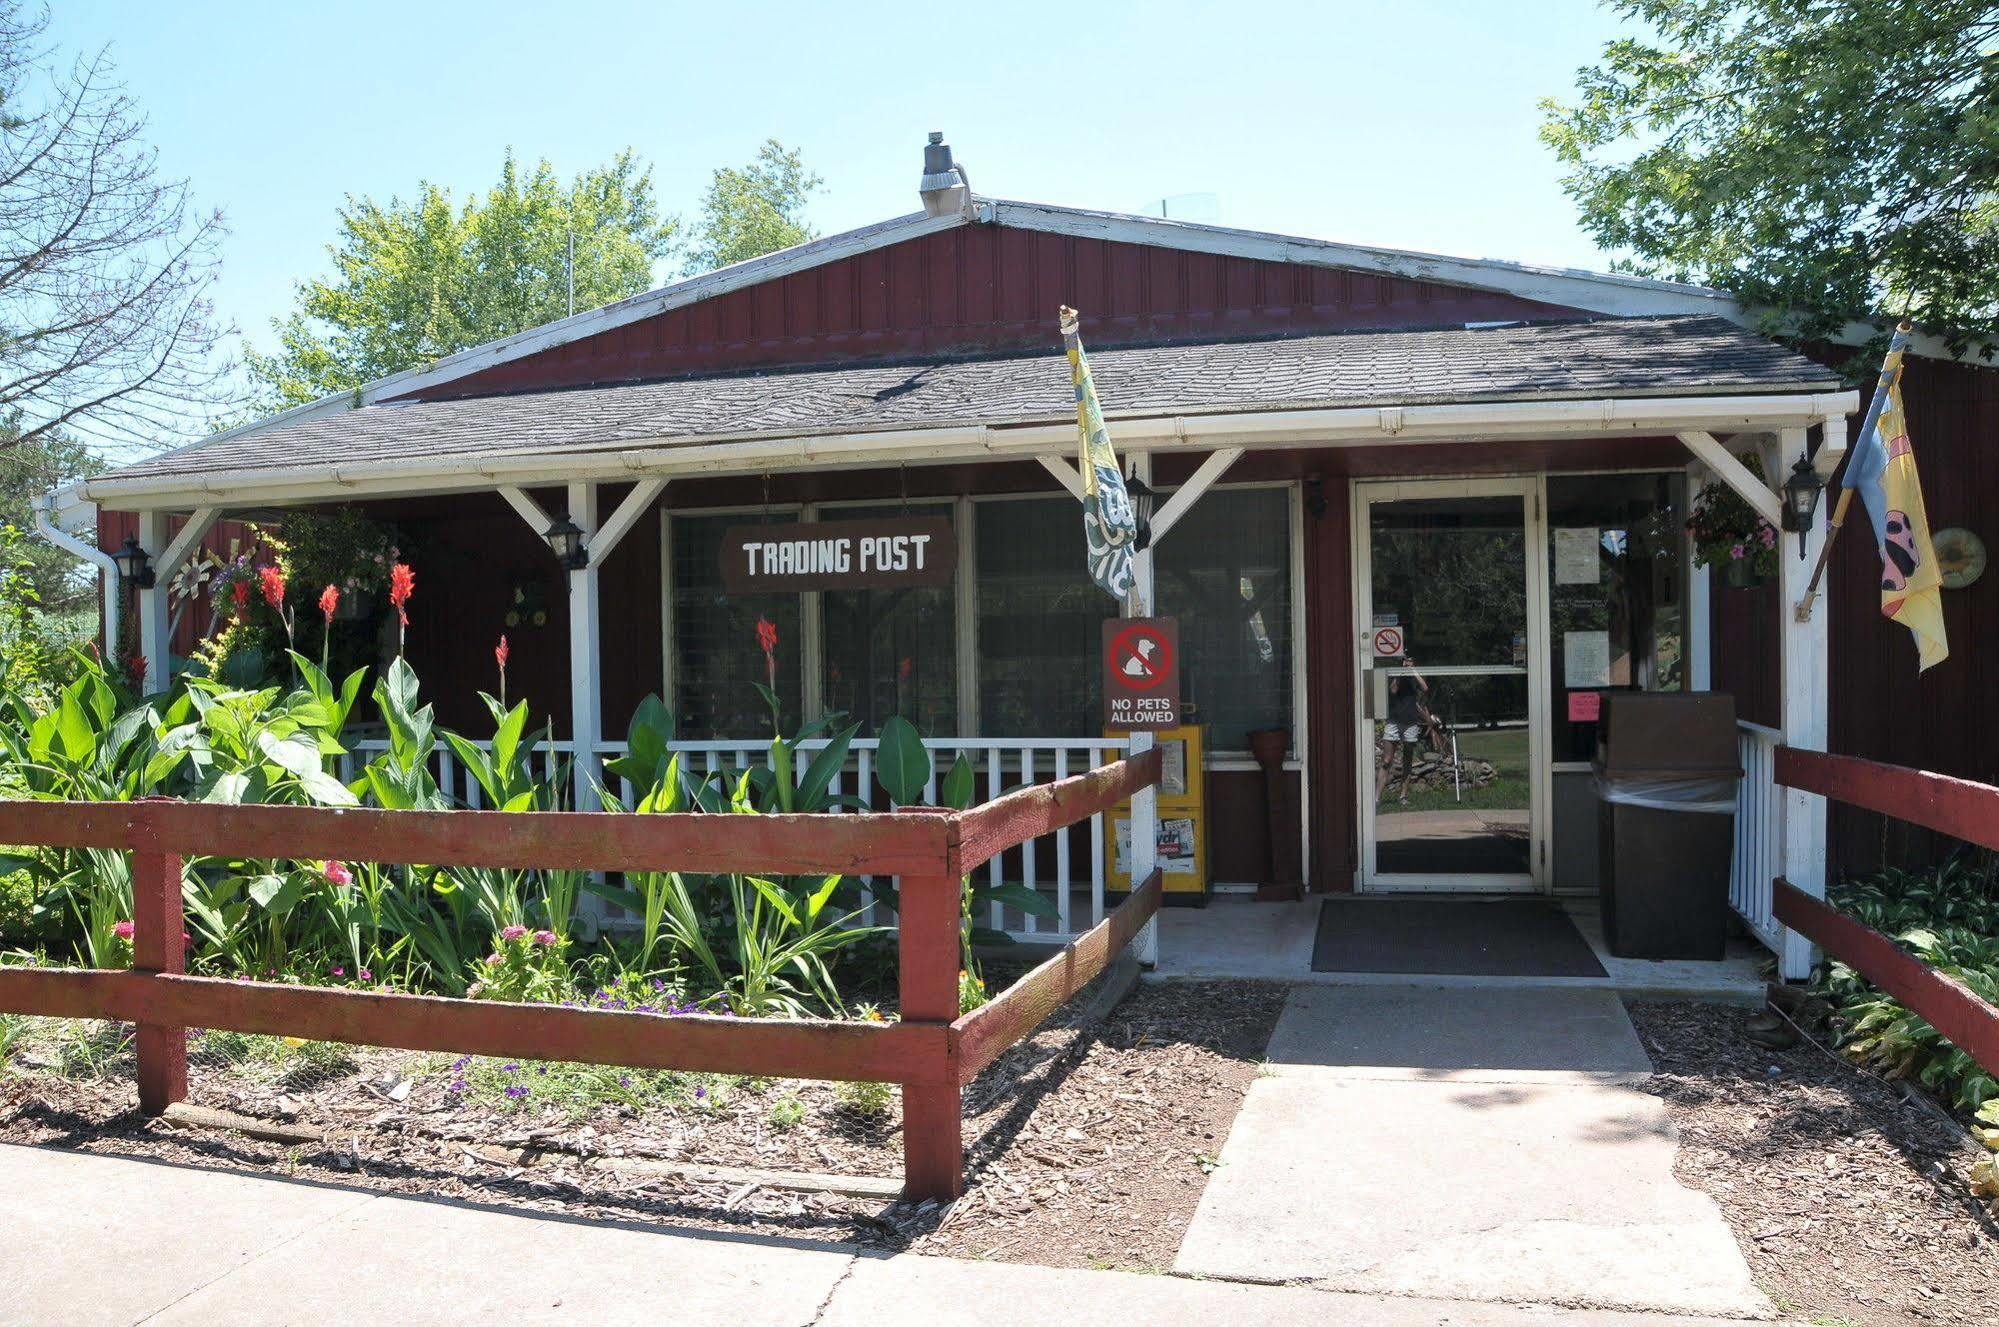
(414, 281)
(1825, 159)
(754, 209)
(33, 463)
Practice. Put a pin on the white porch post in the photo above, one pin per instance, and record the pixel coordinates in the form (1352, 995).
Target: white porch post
(155, 624)
(1145, 802)
(152, 609)
(585, 713)
(1805, 680)
(1699, 654)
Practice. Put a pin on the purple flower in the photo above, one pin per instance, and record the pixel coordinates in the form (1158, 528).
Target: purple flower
(517, 1092)
(458, 1085)
(700, 1094)
(658, 984)
(510, 1068)
(458, 1065)
(624, 1080)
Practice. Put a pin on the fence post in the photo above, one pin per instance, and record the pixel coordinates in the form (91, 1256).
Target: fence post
(158, 924)
(933, 1148)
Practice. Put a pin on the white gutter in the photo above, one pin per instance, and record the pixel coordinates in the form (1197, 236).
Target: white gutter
(631, 459)
(46, 527)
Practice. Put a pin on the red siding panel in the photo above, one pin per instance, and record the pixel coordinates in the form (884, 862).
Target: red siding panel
(982, 289)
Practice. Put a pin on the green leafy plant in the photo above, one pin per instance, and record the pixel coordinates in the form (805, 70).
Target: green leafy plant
(1949, 918)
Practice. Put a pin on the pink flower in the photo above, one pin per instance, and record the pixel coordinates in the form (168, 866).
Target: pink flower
(545, 938)
(494, 960)
(1767, 535)
(513, 932)
(365, 975)
(336, 874)
(1735, 551)
(123, 930)
(337, 970)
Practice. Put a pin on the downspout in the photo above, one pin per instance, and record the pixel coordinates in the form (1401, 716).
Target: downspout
(46, 527)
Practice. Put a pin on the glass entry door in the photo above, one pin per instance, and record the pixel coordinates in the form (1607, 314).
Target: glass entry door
(1451, 642)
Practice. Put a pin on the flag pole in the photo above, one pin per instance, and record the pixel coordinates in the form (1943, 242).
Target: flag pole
(1889, 371)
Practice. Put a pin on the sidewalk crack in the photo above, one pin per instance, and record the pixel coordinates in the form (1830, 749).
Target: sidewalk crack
(819, 1314)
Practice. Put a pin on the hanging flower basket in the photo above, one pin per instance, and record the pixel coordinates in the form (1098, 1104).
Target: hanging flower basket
(1727, 533)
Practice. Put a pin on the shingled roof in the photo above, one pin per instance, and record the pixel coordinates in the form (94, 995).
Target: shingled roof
(1624, 357)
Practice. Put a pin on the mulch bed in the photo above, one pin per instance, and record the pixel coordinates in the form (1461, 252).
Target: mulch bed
(1089, 1143)
(1847, 1197)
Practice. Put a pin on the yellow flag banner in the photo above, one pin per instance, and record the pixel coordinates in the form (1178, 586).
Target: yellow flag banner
(1883, 470)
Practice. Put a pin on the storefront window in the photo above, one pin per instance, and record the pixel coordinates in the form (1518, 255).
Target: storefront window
(716, 662)
(1615, 595)
(1224, 571)
(892, 651)
(1040, 621)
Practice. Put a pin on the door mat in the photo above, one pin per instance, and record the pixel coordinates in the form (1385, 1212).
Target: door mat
(1451, 937)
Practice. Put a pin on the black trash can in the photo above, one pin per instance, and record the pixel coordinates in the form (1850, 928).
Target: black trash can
(1666, 773)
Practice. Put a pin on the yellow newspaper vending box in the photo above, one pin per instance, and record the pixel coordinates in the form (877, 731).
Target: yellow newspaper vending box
(1183, 822)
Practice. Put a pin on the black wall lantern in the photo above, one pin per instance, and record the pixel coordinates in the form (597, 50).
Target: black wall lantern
(135, 565)
(1801, 499)
(567, 541)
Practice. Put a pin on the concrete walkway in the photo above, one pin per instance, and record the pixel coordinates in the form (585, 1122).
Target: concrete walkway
(1482, 1145)
(107, 1240)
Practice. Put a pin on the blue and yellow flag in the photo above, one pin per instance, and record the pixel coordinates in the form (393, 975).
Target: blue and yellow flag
(1110, 526)
(1882, 468)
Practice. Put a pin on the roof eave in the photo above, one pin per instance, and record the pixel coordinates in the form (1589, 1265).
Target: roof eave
(1340, 424)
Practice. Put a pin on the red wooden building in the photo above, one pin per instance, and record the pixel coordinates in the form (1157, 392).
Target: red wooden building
(1489, 460)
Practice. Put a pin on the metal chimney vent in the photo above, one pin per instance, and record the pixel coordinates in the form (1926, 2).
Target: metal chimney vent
(945, 188)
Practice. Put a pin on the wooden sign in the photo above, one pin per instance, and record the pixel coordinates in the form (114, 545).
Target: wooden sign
(1141, 673)
(888, 553)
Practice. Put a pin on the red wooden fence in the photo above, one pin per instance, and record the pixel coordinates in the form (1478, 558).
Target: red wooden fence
(1957, 807)
(931, 1051)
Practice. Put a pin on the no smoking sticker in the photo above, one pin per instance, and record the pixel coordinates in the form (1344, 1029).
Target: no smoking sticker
(1141, 673)
(1388, 642)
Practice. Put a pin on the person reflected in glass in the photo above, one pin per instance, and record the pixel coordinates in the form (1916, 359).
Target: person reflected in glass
(1408, 720)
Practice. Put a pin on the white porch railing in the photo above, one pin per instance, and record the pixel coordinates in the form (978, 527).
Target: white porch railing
(1049, 866)
(1759, 831)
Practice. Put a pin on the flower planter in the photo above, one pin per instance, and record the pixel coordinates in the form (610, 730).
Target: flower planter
(1740, 574)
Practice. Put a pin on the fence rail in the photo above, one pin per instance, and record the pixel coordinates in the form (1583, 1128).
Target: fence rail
(1049, 866)
(1958, 807)
(930, 850)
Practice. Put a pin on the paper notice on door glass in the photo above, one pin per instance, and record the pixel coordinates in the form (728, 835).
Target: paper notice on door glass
(1576, 561)
(1173, 767)
(1585, 659)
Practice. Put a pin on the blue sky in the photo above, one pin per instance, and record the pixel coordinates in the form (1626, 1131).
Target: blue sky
(1409, 124)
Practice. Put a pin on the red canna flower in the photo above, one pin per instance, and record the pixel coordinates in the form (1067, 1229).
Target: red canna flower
(501, 651)
(240, 594)
(274, 587)
(402, 580)
(135, 670)
(329, 600)
(767, 637)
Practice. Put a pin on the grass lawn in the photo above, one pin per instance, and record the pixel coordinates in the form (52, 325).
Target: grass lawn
(1504, 748)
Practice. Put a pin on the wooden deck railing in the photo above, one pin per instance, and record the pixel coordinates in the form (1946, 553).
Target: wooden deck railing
(1957, 807)
(931, 1051)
